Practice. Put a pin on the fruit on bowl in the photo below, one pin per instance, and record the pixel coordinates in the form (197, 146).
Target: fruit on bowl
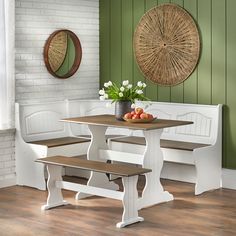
(138, 110)
(138, 115)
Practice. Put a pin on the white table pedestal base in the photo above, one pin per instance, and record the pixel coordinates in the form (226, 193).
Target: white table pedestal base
(98, 141)
(153, 192)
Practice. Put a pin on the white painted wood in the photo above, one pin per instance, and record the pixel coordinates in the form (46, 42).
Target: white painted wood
(208, 169)
(179, 172)
(121, 156)
(130, 148)
(55, 197)
(153, 192)
(178, 156)
(98, 142)
(90, 190)
(28, 172)
(201, 127)
(205, 118)
(31, 124)
(187, 173)
(207, 128)
(41, 120)
(130, 197)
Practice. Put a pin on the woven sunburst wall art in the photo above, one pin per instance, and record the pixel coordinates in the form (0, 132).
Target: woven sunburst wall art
(167, 45)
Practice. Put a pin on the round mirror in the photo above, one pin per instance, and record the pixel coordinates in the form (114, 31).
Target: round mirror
(62, 53)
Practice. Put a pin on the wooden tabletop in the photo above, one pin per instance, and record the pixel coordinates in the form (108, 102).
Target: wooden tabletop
(110, 121)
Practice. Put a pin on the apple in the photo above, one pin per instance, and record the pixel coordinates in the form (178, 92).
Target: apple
(136, 116)
(150, 116)
(144, 116)
(138, 110)
(128, 115)
(133, 113)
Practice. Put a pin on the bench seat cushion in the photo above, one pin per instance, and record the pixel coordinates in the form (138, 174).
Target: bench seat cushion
(187, 146)
(60, 141)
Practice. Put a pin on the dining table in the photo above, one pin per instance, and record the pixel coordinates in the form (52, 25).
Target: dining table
(152, 158)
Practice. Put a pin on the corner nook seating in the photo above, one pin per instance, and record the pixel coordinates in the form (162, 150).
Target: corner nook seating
(39, 133)
(129, 174)
(199, 144)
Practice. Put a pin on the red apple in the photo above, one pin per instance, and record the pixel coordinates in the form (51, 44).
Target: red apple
(150, 116)
(133, 113)
(144, 116)
(138, 110)
(128, 115)
(136, 116)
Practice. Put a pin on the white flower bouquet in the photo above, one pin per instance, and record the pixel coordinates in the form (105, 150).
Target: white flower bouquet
(126, 92)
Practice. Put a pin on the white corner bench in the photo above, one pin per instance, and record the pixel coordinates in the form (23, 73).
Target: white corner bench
(199, 144)
(39, 134)
(129, 176)
(40, 122)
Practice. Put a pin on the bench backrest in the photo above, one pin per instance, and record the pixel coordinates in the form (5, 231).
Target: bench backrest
(207, 120)
(41, 120)
(88, 108)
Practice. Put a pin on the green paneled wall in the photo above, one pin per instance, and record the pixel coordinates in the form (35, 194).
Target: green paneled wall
(213, 81)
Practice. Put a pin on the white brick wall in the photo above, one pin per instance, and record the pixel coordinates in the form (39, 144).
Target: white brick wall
(35, 21)
(7, 158)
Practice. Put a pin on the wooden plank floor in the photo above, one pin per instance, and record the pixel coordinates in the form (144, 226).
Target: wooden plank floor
(212, 213)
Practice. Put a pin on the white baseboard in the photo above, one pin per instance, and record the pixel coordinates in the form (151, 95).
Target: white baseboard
(229, 178)
(7, 182)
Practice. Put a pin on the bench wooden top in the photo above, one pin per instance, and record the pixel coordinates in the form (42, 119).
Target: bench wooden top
(79, 163)
(187, 146)
(110, 120)
(56, 142)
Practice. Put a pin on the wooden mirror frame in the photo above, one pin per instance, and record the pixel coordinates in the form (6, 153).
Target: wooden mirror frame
(78, 54)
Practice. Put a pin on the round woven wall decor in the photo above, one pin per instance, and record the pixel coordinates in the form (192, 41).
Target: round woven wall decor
(167, 45)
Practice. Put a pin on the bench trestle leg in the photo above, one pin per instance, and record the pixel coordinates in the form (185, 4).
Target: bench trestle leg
(55, 197)
(130, 213)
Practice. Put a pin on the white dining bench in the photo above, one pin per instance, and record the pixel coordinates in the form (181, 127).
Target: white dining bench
(39, 133)
(129, 174)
